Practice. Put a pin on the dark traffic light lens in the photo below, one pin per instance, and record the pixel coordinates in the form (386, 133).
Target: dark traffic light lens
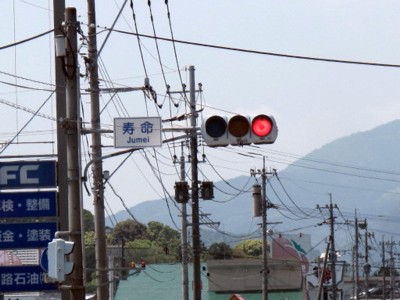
(262, 125)
(215, 126)
(238, 126)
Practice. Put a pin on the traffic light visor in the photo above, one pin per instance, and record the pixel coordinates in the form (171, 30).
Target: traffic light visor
(215, 126)
(262, 125)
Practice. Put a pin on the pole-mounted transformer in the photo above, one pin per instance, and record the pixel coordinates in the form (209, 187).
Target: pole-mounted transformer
(257, 200)
(207, 190)
(181, 191)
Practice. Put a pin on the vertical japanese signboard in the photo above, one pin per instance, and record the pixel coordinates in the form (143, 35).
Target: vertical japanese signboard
(21, 201)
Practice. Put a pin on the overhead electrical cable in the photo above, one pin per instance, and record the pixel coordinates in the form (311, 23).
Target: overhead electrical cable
(330, 60)
(138, 37)
(26, 40)
(26, 124)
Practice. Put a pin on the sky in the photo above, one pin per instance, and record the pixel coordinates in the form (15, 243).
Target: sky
(314, 102)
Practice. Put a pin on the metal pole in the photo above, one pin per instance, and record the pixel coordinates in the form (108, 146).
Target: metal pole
(264, 233)
(77, 291)
(195, 190)
(97, 168)
(185, 277)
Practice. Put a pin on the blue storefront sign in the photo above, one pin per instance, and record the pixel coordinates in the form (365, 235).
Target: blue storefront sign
(28, 204)
(24, 279)
(26, 235)
(28, 174)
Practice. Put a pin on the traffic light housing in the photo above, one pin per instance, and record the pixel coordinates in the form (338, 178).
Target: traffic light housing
(239, 130)
(58, 265)
(181, 192)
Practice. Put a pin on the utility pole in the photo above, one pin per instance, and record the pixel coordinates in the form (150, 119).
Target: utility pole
(383, 269)
(195, 190)
(72, 127)
(367, 266)
(58, 19)
(333, 250)
(97, 167)
(356, 256)
(185, 277)
(264, 206)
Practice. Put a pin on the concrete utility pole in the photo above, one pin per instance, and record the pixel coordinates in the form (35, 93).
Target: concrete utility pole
(72, 128)
(195, 190)
(185, 277)
(333, 250)
(356, 263)
(58, 19)
(367, 266)
(97, 167)
(264, 207)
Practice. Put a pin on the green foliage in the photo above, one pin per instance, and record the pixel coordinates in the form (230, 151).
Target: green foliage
(155, 243)
(128, 230)
(250, 247)
(88, 221)
(90, 256)
(385, 271)
(220, 251)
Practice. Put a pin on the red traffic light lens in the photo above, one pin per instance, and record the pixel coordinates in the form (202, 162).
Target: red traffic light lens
(261, 125)
(238, 126)
(215, 126)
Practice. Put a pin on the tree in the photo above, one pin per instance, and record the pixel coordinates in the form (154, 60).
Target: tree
(165, 237)
(385, 271)
(88, 221)
(128, 230)
(220, 251)
(250, 247)
(90, 258)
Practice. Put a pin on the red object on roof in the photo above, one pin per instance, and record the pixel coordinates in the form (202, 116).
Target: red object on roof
(236, 297)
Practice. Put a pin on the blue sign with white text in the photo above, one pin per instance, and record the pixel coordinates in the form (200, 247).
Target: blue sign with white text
(26, 235)
(28, 204)
(28, 174)
(24, 279)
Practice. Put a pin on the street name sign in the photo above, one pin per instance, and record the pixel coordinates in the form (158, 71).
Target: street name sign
(24, 279)
(26, 235)
(28, 204)
(140, 132)
(28, 174)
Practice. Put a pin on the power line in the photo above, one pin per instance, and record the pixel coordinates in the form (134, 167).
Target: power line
(331, 60)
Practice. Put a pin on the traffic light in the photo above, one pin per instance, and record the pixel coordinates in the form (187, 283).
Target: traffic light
(181, 192)
(57, 250)
(239, 130)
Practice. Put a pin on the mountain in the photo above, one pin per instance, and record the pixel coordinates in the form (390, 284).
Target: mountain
(358, 173)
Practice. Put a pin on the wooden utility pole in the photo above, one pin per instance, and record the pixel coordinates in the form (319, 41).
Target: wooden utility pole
(72, 129)
(97, 167)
